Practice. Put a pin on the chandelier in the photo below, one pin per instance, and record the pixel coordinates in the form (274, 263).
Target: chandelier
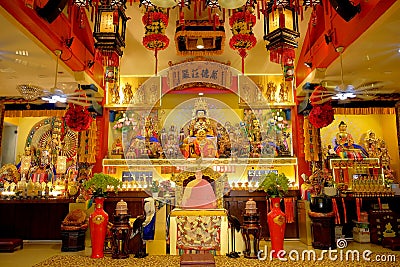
(30, 92)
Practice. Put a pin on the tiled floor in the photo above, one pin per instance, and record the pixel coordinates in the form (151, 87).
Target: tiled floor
(35, 251)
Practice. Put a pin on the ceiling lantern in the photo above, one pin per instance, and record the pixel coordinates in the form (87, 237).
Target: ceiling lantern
(155, 21)
(199, 37)
(281, 30)
(110, 27)
(243, 39)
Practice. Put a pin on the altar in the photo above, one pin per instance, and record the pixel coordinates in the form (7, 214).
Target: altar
(192, 230)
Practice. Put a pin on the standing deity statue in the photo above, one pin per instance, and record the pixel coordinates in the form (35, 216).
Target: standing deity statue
(128, 95)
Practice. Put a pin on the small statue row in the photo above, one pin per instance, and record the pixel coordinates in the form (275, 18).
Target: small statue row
(142, 95)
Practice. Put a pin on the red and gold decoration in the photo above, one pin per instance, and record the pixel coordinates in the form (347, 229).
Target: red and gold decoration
(82, 3)
(98, 221)
(110, 26)
(276, 225)
(155, 22)
(243, 39)
(321, 115)
(87, 144)
(311, 144)
(78, 118)
(281, 30)
(198, 232)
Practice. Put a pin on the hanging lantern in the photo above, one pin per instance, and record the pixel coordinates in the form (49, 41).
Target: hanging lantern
(109, 28)
(281, 31)
(243, 38)
(155, 21)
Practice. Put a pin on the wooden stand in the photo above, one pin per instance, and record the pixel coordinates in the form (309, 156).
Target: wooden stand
(73, 240)
(121, 232)
(251, 226)
(323, 230)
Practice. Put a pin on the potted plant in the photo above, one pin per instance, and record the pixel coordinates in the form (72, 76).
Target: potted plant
(275, 185)
(98, 187)
(99, 184)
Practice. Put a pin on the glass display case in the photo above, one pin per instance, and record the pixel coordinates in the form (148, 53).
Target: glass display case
(176, 121)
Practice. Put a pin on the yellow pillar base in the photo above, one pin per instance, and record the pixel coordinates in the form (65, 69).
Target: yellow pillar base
(158, 246)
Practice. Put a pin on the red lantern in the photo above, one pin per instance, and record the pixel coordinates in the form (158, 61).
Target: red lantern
(155, 22)
(243, 39)
(78, 118)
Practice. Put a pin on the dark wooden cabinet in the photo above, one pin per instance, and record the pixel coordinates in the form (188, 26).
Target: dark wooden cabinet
(323, 230)
(369, 204)
(235, 203)
(33, 219)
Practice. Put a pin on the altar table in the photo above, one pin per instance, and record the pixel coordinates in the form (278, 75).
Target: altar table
(198, 230)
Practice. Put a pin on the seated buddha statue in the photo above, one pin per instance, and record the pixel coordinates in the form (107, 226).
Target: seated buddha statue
(345, 146)
(201, 146)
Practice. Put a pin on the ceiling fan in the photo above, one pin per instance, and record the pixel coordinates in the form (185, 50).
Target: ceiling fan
(56, 95)
(332, 90)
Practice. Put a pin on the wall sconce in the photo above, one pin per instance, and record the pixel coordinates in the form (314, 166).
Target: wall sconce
(308, 64)
(200, 43)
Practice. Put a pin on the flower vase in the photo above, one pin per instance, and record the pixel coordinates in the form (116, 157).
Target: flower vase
(98, 222)
(276, 225)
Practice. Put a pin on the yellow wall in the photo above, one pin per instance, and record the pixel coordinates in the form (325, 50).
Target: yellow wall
(384, 126)
(24, 126)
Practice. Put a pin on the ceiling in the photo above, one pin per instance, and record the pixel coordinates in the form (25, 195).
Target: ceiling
(373, 57)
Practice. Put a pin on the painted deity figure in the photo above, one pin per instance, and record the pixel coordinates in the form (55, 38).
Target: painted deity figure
(202, 146)
(128, 95)
(345, 146)
(384, 155)
(371, 144)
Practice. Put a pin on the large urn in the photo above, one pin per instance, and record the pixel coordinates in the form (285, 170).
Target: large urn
(276, 225)
(98, 221)
(321, 204)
